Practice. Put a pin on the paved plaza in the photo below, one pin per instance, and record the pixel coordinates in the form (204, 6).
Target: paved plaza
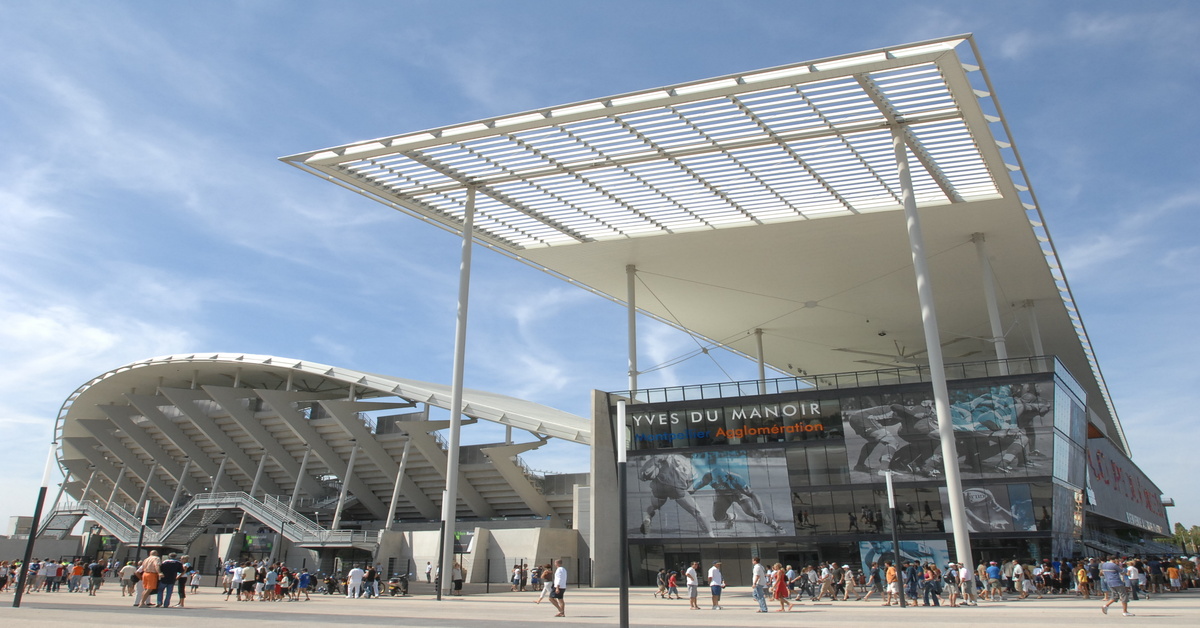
(585, 607)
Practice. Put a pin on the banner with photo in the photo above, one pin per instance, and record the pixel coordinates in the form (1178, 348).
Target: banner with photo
(715, 494)
(1000, 431)
(1000, 508)
(931, 551)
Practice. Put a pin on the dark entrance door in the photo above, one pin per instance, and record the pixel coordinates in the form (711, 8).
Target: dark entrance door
(679, 561)
(798, 559)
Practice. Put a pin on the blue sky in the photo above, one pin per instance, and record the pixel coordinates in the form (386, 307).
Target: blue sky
(145, 213)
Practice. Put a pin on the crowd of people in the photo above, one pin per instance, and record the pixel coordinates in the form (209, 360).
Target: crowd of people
(87, 576)
(911, 583)
(251, 581)
(153, 581)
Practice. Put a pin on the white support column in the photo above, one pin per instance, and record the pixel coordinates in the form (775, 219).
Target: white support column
(1035, 333)
(216, 483)
(933, 345)
(762, 363)
(116, 486)
(87, 487)
(989, 293)
(145, 489)
(631, 324)
(262, 463)
(399, 480)
(450, 503)
(237, 377)
(62, 486)
(341, 502)
(178, 491)
(303, 469)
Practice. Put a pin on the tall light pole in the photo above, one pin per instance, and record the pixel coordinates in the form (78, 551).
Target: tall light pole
(622, 513)
(895, 535)
(33, 529)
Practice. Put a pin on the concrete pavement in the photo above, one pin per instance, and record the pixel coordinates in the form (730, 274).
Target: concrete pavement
(585, 607)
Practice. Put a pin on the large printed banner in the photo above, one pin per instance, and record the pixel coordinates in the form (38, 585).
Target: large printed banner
(1000, 430)
(1121, 490)
(727, 494)
(999, 508)
(924, 552)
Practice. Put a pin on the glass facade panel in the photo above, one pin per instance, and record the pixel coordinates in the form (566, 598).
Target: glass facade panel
(792, 473)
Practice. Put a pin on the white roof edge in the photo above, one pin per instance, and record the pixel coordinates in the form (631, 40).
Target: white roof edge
(484, 405)
(589, 108)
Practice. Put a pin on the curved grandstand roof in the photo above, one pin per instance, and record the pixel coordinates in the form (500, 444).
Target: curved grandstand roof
(143, 420)
(766, 200)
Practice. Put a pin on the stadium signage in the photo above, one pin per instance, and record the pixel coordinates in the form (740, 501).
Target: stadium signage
(756, 412)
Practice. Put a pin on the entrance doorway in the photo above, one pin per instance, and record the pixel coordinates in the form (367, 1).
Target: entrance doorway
(798, 559)
(679, 561)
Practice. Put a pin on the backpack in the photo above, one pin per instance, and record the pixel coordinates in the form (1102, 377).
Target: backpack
(951, 576)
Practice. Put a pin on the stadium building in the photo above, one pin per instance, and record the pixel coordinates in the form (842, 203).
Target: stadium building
(862, 226)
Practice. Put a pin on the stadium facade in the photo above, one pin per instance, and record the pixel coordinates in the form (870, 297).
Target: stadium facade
(866, 211)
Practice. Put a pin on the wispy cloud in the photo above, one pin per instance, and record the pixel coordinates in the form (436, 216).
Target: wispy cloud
(56, 346)
(1142, 230)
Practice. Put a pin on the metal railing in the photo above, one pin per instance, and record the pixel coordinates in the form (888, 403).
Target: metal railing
(838, 381)
(107, 520)
(271, 510)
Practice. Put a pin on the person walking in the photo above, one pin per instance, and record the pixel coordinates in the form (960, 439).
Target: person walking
(779, 588)
(1113, 576)
(547, 578)
(758, 583)
(560, 588)
(892, 576)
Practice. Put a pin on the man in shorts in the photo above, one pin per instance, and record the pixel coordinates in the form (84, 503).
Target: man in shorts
(150, 571)
(1111, 572)
(716, 582)
(951, 584)
(892, 577)
(995, 590)
(560, 588)
(693, 584)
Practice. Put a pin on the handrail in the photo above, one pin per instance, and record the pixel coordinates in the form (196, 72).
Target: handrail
(835, 381)
(106, 519)
(271, 510)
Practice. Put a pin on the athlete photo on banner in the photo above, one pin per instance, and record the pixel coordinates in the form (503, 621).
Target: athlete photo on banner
(1000, 431)
(995, 508)
(924, 552)
(725, 494)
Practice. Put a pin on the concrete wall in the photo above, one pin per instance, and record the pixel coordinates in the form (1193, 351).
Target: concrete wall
(506, 548)
(605, 542)
(13, 548)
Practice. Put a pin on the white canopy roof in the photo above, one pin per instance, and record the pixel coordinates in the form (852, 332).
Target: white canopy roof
(711, 189)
